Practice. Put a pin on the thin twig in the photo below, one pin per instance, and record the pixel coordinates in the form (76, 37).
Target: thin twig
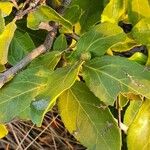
(15, 136)
(74, 36)
(15, 4)
(41, 133)
(7, 75)
(119, 111)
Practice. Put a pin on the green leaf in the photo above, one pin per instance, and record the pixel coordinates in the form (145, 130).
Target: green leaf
(139, 57)
(84, 117)
(2, 23)
(138, 9)
(59, 81)
(124, 46)
(2, 68)
(48, 60)
(138, 135)
(3, 131)
(60, 43)
(114, 11)
(46, 14)
(99, 39)
(141, 31)
(20, 46)
(91, 11)
(73, 14)
(16, 96)
(132, 111)
(148, 59)
(6, 8)
(5, 39)
(110, 75)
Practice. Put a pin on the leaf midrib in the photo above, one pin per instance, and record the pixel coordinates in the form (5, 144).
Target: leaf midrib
(96, 70)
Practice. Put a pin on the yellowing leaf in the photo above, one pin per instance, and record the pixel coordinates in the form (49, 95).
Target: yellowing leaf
(84, 116)
(2, 23)
(114, 11)
(46, 14)
(59, 81)
(138, 135)
(138, 9)
(3, 131)
(132, 111)
(141, 31)
(6, 8)
(5, 39)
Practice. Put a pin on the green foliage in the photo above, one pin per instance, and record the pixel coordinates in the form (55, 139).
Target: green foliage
(76, 73)
(46, 14)
(108, 76)
(20, 45)
(83, 114)
(99, 39)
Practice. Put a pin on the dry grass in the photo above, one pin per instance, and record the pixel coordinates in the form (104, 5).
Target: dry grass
(23, 135)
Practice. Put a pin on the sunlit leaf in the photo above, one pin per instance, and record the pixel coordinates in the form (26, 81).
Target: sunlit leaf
(114, 11)
(45, 14)
(141, 31)
(90, 123)
(109, 75)
(2, 23)
(139, 57)
(99, 39)
(132, 111)
(138, 135)
(5, 39)
(6, 8)
(138, 9)
(124, 46)
(3, 131)
(59, 81)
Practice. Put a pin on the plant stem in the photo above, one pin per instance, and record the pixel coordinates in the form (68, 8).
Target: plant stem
(9, 74)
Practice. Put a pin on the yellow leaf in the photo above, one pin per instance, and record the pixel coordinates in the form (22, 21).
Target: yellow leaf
(3, 131)
(5, 39)
(6, 8)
